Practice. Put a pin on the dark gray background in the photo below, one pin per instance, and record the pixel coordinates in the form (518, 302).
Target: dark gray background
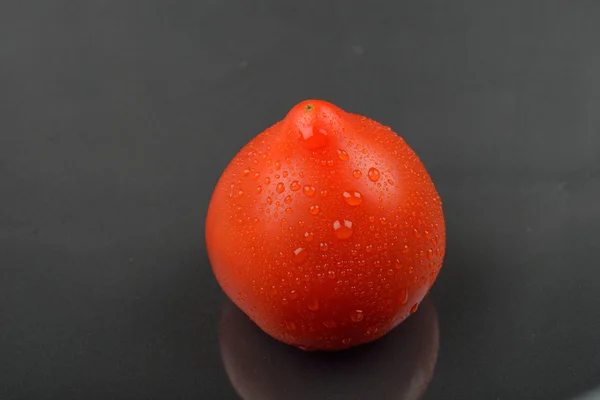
(117, 118)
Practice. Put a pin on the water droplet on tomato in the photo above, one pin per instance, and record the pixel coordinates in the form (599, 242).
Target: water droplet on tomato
(308, 236)
(258, 189)
(356, 173)
(323, 246)
(330, 324)
(309, 190)
(403, 296)
(343, 155)
(293, 295)
(246, 172)
(373, 174)
(331, 274)
(290, 326)
(429, 254)
(342, 229)
(414, 308)
(356, 315)
(288, 199)
(314, 137)
(405, 249)
(269, 200)
(353, 199)
(300, 255)
(280, 187)
(346, 340)
(294, 186)
(277, 165)
(323, 193)
(313, 304)
(314, 209)
(267, 180)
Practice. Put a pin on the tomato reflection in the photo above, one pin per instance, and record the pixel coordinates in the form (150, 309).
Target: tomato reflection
(397, 366)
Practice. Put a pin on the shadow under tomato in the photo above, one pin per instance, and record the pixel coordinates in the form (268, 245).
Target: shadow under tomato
(398, 366)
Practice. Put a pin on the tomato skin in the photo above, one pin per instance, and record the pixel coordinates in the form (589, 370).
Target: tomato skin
(326, 229)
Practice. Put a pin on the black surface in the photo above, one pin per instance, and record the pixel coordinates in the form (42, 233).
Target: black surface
(117, 118)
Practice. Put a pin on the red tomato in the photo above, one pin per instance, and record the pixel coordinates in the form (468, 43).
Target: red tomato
(326, 229)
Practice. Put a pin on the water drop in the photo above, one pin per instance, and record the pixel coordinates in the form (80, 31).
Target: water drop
(295, 186)
(374, 174)
(414, 308)
(288, 199)
(356, 173)
(308, 236)
(353, 199)
(300, 255)
(323, 246)
(323, 193)
(267, 180)
(343, 155)
(346, 340)
(258, 189)
(313, 304)
(343, 230)
(280, 187)
(314, 209)
(313, 137)
(277, 165)
(403, 296)
(256, 175)
(309, 190)
(416, 232)
(429, 254)
(405, 249)
(391, 182)
(329, 323)
(331, 274)
(290, 325)
(293, 295)
(288, 210)
(246, 172)
(356, 315)
(269, 200)
(285, 174)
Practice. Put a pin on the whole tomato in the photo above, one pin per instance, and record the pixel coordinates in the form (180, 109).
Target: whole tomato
(326, 229)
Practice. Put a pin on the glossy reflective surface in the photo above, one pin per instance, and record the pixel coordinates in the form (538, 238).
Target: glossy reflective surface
(117, 119)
